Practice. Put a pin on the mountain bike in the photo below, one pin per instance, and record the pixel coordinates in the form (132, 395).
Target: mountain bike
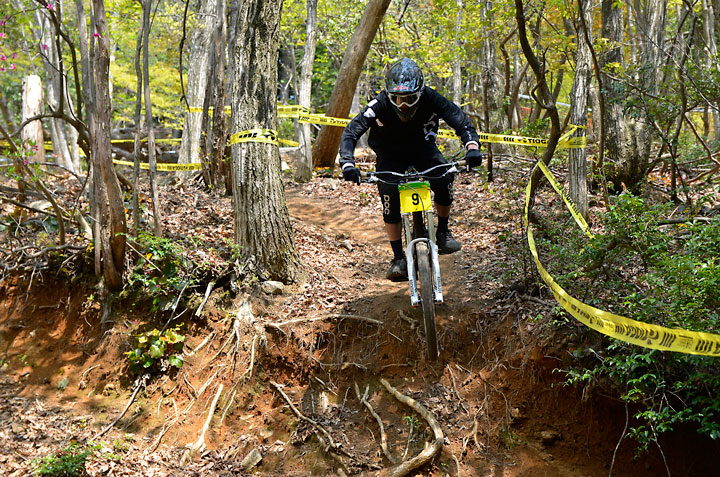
(421, 251)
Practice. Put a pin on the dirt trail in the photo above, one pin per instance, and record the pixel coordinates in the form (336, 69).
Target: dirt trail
(501, 406)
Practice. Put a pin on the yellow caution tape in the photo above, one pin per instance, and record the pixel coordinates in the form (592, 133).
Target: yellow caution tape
(322, 119)
(568, 201)
(267, 136)
(289, 142)
(620, 327)
(168, 139)
(162, 166)
(47, 146)
(291, 110)
(303, 115)
(210, 110)
(569, 143)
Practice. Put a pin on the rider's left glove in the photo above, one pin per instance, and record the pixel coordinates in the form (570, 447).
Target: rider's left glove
(351, 173)
(474, 158)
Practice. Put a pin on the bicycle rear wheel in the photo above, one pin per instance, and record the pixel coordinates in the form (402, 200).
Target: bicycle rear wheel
(427, 299)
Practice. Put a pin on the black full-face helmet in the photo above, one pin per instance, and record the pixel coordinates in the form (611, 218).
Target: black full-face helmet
(404, 83)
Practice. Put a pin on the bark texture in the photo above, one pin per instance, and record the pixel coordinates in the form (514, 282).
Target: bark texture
(303, 173)
(108, 196)
(262, 222)
(157, 216)
(197, 83)
(627, 139)
(710, 52)
(328, 139)
(577, 162)
(492, 82)
(32, 103)
(218, 166)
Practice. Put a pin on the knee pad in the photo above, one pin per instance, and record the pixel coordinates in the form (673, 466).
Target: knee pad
(390, 199)
(443, 190)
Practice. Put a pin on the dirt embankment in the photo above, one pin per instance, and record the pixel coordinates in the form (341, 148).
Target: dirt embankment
(494, 391)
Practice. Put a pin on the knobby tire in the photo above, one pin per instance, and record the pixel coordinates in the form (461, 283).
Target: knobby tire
(427, 299)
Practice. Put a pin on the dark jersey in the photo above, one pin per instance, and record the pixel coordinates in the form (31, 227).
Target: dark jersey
(389, 136)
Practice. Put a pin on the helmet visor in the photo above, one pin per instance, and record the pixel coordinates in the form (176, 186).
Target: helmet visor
(404, 100)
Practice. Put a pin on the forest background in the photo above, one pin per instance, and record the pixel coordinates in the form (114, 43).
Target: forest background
(640, 79)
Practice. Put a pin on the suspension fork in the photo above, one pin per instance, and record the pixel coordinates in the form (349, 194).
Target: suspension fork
(410, 254)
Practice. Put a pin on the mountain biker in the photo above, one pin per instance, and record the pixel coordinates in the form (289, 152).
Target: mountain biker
(403, 122)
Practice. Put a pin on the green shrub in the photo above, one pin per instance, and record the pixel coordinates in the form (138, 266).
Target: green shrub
(651, 271)
(69, 462)
(161, 270)
(155, 350)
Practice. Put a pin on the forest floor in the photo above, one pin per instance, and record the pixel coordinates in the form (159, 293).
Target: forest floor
(496, 391)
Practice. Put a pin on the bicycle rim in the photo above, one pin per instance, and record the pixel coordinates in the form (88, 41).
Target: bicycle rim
(426, 297)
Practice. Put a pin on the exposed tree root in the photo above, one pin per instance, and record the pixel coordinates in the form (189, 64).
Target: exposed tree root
(207, 339)
(432, 448)
(471, 435)
(248, 372)
(199, 445)
(278, 326)
(320, 432)
(139, 383)
(205, 298)
(383, 436)
(227, 405)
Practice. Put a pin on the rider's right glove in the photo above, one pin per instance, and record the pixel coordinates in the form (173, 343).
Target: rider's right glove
(474, 158)
(351, 173)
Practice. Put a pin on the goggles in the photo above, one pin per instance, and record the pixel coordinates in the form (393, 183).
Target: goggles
(404, 99)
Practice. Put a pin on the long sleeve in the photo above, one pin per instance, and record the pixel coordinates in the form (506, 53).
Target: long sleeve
(455, 117)
(352, 133)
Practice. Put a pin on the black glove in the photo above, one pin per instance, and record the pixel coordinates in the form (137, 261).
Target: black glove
(351, 173)
(474, 158)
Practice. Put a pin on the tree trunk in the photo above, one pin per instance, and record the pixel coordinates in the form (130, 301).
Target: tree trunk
(261, 219)
(157, 217)
(457, 61)
(303, 172)
(612, 29)
(544, 95)
(139, 128)
(577, 161)
(628, 139)
(88, 88)
(55, 86)
(492, 82)
(32, 106)
(197, 81)
(219, 130)
(288, 72)
(328, 139)
(710, 53)
(9, 124)
(107, 188)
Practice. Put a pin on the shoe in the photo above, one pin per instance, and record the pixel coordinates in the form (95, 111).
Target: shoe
(398, 270)
(446, 243)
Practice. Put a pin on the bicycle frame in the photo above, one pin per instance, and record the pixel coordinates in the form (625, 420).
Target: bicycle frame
(421, 253)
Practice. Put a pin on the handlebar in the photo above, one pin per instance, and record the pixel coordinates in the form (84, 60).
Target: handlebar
(399, 177)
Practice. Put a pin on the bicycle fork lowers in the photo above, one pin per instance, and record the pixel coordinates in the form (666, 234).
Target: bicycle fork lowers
(411, 254)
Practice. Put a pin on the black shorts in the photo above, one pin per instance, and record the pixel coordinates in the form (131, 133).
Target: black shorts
(442, 188)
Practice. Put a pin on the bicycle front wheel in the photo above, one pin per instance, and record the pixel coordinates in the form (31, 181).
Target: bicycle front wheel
(427, 299)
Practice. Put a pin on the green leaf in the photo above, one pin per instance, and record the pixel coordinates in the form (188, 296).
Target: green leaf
(172, 336)
(157, 349)
(176, 361)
